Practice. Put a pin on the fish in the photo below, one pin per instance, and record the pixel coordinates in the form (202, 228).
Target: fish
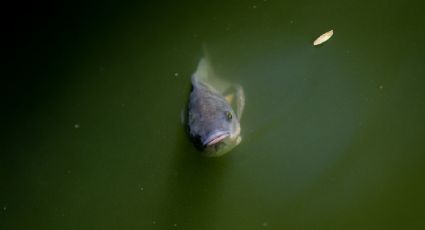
(323, 38)
(213, 124)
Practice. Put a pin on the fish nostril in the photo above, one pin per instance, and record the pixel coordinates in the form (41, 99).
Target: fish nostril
(229, 115)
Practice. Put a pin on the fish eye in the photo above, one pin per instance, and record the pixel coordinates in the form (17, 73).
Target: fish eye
(229, 115)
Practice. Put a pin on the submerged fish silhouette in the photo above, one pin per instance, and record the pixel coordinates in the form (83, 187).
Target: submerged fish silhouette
(213, 124)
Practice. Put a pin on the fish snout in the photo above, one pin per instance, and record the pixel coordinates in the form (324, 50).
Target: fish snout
(216, 137)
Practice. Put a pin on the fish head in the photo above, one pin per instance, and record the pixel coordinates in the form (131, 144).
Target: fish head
(214, 126)
(223, 136)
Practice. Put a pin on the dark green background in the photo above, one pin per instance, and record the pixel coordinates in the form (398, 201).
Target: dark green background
(333, 136)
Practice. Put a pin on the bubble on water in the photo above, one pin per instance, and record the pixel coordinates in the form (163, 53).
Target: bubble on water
(381, 87)
(265, 224)
(153, 222)
(77, 126)
(254, 6)
(176, 74)
(141, 189)
(4, 208)
(175, 225)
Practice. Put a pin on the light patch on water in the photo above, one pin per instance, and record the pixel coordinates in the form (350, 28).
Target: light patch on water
(175, 225)
(381, 87)
(77, 126)
(141, 189)
(265, 224)
(176, 74)
(182, 116)
(4, 208)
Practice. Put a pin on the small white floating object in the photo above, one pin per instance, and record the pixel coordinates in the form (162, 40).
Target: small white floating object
(324, 37)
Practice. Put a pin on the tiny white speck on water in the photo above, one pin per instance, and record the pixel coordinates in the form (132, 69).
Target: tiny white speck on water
(265, 224)
(381, 87)
(254, 6)
(141, 189)
(176, 74)
(77, 126)
(175, 225)
(4, 208)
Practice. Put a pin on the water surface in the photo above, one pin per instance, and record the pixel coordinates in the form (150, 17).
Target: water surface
(333, 136)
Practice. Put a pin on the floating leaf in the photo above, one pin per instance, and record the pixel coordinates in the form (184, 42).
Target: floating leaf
(324, 37)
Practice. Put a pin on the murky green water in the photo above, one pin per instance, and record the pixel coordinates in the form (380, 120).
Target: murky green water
(333, 136)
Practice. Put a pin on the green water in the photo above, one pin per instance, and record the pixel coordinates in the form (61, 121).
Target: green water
(333, 136)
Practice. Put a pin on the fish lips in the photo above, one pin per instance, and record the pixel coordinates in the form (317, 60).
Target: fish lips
(216, 138)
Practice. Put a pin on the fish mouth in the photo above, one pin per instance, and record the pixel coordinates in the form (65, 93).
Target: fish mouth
(217, 137)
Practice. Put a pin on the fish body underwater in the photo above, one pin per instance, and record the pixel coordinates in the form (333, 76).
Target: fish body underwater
(213, 124)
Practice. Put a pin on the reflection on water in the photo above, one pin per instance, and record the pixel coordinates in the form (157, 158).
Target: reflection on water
(194, 185)
(332, 135)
